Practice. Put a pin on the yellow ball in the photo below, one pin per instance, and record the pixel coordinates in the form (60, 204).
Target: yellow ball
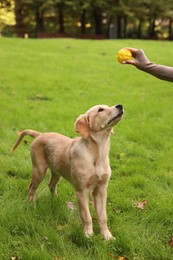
(123, 55)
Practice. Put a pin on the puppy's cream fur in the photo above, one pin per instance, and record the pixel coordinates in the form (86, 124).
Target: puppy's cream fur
(83, 161)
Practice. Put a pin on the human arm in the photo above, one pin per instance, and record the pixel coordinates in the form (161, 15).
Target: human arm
(141, 62)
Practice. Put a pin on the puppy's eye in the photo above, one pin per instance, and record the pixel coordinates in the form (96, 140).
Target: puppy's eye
(100, 109)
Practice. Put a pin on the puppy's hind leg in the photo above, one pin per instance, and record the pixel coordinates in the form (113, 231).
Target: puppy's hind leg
(38, 174)
(55, 177)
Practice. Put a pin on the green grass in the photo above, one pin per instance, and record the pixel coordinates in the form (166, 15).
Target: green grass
(45, 85)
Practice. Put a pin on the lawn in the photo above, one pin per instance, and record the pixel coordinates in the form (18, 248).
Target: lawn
(45, 85)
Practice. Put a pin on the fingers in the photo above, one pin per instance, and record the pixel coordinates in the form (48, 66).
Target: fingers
(131, 62)
(132, 50)
(139, 57)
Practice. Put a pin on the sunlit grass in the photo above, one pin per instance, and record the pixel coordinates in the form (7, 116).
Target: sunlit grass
(45, 85)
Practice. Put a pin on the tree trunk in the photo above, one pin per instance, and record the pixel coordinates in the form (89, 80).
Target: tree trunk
(152, 33)
(109, 21)
(83, 21)
(20, 27)
(61, 17)
(119, 27)
(170, 29)
(125, 27)
(39, 20)
(139, 36)
(98, 21)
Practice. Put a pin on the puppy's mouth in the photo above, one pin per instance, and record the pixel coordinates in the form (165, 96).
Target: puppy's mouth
(118, 116)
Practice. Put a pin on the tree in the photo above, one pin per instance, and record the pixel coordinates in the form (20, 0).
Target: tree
(7, 17)
(20, 27)
(168, 15)
(118, 18)
(39, 16)
(156, 9)
(60, 6)
(82, 9)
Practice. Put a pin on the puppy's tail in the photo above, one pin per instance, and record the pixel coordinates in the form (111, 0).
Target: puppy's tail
(21, 134)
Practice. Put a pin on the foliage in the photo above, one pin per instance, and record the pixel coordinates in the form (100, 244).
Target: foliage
(46, 85)
(7, 17)
(144, 19)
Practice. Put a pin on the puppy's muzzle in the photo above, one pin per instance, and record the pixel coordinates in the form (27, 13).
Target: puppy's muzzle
(121, 112)
(119, 106)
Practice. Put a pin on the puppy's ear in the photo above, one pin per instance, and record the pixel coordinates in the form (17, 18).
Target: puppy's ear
(82, 126)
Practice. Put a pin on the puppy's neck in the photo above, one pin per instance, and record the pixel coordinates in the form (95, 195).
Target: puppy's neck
(99, 143)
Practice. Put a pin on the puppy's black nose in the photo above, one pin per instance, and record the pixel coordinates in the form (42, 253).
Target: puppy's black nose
(119, 106)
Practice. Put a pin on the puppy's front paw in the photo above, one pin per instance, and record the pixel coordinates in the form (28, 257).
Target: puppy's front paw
(108, 236)
(88, 234)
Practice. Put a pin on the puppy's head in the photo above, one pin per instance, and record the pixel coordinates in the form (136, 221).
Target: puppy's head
(98, 119)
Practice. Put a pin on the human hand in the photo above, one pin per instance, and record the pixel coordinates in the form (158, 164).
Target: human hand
(140, 59)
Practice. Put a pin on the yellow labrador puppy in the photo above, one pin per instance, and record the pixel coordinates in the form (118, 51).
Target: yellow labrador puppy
(83, 161)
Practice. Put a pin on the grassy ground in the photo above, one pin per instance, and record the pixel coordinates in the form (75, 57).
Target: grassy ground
(45, 85)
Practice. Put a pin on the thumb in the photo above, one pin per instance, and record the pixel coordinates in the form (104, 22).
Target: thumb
(131, 62)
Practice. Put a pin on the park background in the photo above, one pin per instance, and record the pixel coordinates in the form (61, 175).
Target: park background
(45, 84)
(115, 19)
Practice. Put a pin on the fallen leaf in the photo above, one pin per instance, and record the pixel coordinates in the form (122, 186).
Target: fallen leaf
(71, 205)
(171, 242)
(141, 204)
(117, 257)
